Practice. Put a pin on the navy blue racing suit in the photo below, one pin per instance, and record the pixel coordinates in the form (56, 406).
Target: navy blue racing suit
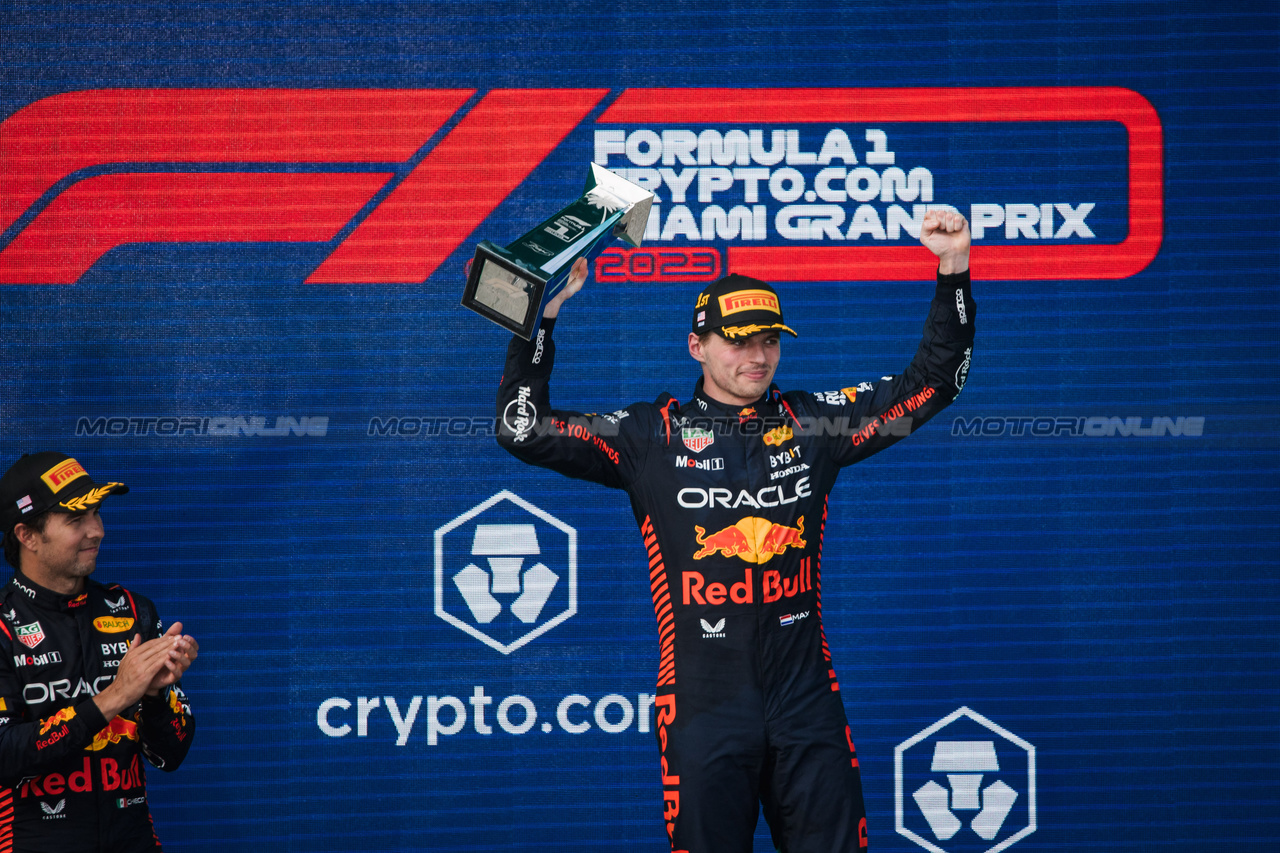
(732, 504)
(70, 780)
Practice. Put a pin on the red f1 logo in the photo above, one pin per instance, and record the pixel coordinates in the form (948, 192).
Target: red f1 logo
(172, 140)
(88, 171)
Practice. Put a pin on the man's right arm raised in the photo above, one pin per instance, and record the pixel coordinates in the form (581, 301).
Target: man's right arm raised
(605, 449)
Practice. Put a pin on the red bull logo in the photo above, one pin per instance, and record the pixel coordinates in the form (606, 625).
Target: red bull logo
(755, 540)
(775, 587)
(111, 777)
(778, 435)
(64, 716)
(697, 589)
(664, 707)
(175, 702)
(117, 730)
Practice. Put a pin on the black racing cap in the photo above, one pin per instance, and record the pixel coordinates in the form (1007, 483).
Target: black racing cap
(48, 482)
(738, 306)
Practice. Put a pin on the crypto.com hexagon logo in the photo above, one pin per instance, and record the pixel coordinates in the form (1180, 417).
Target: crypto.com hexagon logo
(971, 783)
(506, 572)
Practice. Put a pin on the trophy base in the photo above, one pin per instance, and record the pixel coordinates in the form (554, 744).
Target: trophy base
(502, 289)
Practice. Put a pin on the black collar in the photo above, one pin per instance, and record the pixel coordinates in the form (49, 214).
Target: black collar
(24, 587)
(768, 406)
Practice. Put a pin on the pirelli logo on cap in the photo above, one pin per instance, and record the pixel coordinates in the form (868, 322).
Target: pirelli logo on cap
(749, 300)
(62, 473)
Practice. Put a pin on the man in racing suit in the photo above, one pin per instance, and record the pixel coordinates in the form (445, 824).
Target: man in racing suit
(730, 492)
(88, 679)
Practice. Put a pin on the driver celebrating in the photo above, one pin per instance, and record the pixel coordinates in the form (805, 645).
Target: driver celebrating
(730, 491)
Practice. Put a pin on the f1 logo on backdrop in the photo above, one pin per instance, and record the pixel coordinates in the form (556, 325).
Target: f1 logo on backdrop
(965, 785)
(506, 572)
(395, 181)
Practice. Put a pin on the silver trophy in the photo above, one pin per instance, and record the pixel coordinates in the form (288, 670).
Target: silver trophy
(511, 285)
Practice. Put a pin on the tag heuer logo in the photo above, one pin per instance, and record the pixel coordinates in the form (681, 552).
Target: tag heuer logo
(697, 440)
(30, 635)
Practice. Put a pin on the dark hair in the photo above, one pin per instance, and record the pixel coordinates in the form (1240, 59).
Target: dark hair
(13, 548)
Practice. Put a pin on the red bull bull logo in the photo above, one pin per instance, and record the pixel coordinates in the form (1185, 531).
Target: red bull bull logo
(63, 716)
(54, 726)
(778, 435)
(116, 730)
(175, 702)
(755, 540)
